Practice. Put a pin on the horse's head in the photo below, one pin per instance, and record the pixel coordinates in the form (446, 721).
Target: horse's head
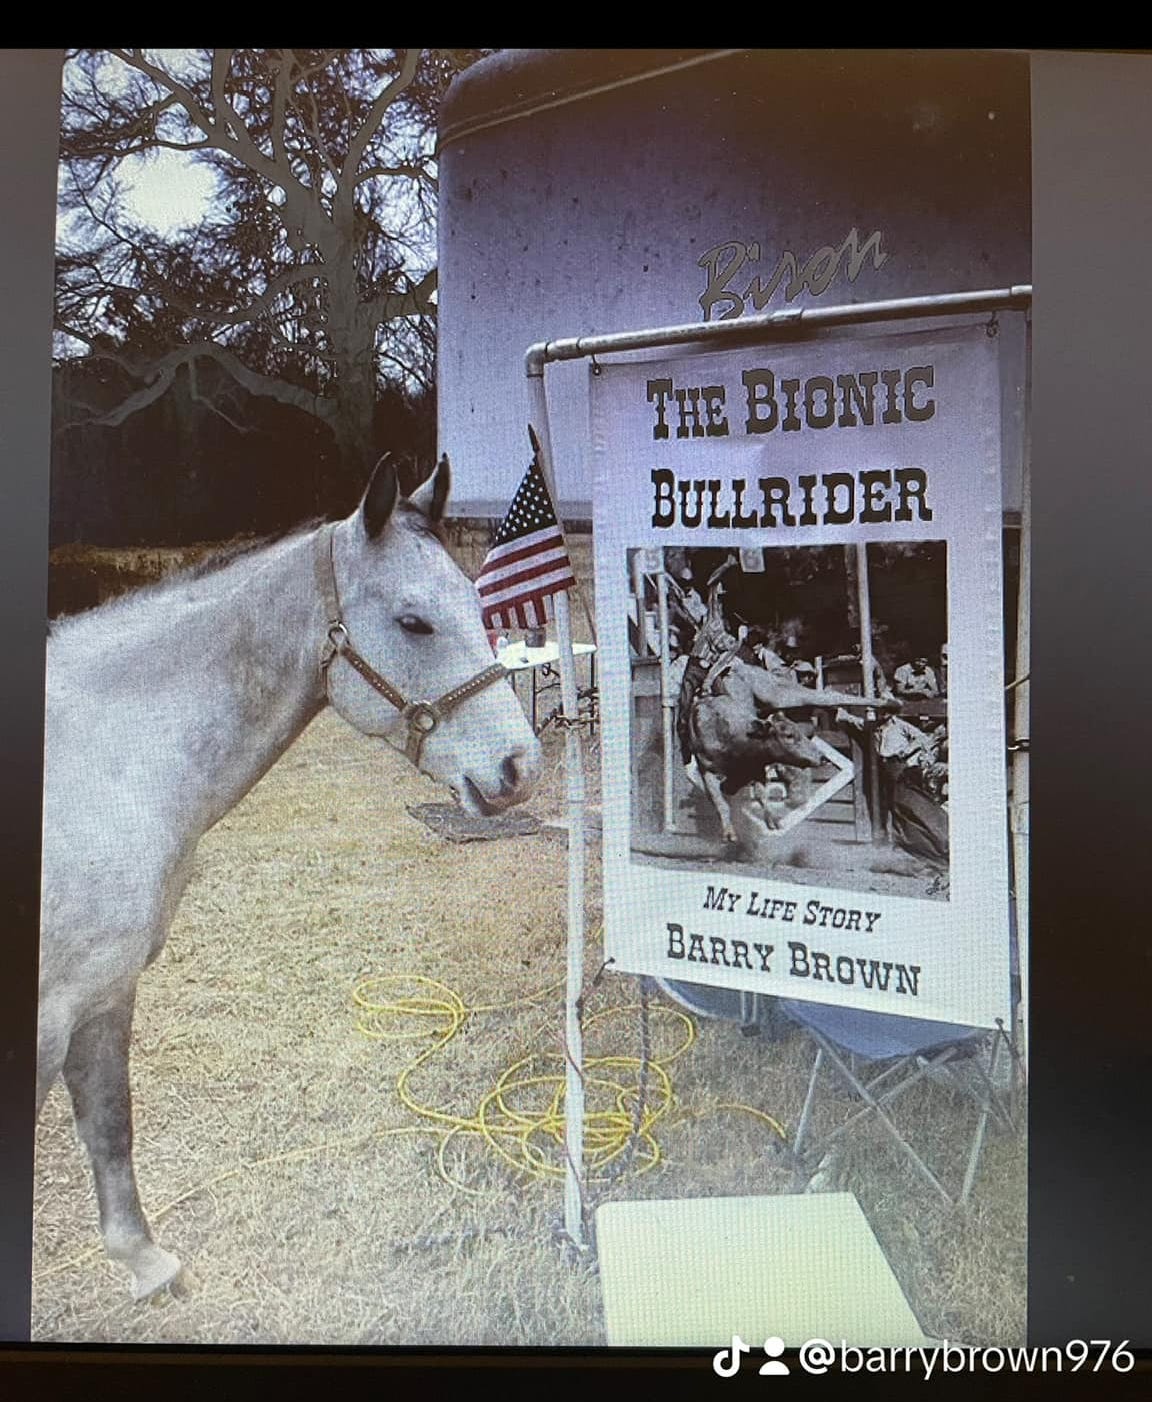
(414, 617)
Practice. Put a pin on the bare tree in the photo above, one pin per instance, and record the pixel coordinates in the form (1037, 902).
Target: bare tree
(311, 278)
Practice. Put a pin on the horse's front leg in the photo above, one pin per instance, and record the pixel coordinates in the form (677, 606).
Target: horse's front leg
(719, 802)
(96, 1074)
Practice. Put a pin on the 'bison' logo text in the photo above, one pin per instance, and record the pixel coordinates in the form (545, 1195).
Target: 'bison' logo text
(726, 261)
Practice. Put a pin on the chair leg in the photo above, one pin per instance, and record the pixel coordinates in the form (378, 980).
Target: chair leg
(805, 1116)
(989, 1100)
(925, 1069)
(973, 1158)
(1019, 1075)
(878, 1110)
(994, 1101)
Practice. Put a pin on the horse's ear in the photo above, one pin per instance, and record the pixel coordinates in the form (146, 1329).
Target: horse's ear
(432, 496)
(380, 498)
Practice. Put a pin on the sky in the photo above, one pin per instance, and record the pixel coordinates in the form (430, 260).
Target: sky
(168, 192)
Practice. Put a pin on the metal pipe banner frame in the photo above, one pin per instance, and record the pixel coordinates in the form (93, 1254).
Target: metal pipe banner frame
(749, 331)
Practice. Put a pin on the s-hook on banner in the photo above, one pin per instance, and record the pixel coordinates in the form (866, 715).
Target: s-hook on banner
(801, 633)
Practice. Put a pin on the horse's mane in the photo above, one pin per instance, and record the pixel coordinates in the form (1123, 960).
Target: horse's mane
(217, 562)
(222, 556)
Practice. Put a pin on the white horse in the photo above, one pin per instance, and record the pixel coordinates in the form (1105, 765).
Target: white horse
(165, 707)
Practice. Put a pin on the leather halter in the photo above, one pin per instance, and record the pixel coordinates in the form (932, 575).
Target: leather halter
(421, 717)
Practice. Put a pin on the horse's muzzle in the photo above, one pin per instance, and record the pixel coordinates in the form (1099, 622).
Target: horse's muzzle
(518, 776)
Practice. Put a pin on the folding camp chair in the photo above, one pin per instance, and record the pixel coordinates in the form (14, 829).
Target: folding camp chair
(878, 1057)
(754, 1013)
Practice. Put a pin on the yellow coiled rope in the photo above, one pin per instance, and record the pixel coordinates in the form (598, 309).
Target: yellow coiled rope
(521, 1119)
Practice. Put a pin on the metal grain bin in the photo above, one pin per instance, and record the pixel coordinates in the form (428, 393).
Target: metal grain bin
(594, 191)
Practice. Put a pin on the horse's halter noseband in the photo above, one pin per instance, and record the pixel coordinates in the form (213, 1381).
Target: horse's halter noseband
(421, 717)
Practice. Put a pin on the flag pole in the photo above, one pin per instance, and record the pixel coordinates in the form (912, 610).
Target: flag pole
(574, 774)
(667, 700)
(867, 663)
(1020, 776)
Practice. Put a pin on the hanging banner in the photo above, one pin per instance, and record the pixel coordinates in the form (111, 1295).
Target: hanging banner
(800, 619)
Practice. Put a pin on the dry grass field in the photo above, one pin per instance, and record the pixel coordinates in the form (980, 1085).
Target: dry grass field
(309, 1205)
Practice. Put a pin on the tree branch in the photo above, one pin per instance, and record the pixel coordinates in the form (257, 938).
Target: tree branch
(312, 126)
(414, 172)
(164, 80)
(306, 70)
(363, 138)
(225, 130)
(222, 109)
(210, 404)
(164, 372)
(302, 272)
(406, 367)
(281, 93)
(265, 386)
(415, 301)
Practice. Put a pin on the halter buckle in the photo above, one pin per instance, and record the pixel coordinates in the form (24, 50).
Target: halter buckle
(335, 642)
(422, 717)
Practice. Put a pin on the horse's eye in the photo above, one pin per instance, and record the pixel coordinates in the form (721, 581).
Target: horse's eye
(411, 624)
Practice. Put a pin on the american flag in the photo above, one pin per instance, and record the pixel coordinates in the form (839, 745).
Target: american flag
(528, 562)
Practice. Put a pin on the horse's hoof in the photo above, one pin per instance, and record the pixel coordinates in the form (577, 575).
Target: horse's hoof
(153, 1270)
